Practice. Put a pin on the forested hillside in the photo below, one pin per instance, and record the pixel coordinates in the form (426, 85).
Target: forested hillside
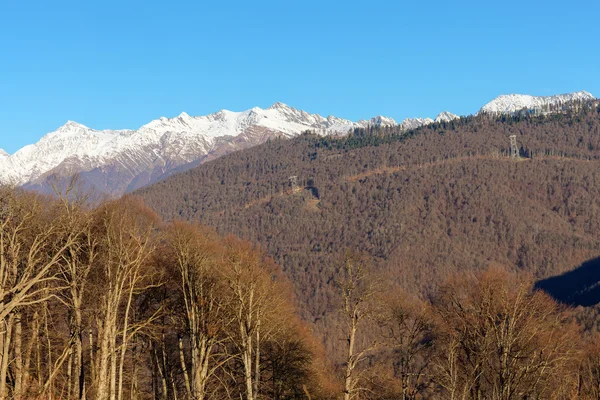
(415, 258)
(423, 204)
(110, 303)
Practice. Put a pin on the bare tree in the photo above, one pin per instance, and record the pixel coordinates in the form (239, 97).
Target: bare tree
(127, 245)
(30, 256)
(589, 369)
(357, 289)
(499, 339)
(197, 258)
(406, 323)
(78, 260)
(256, 306)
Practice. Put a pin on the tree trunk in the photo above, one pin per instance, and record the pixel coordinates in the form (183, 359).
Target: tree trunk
(92, 358)
(6, 339)
(34, 337)
(124, 340)
(113, 361)
(186, 376)
(78, 364)
(70, 374)
(349, 377)
(18, 360)
(257, 361)
(134, 370)
(102, 390)
(161, 375)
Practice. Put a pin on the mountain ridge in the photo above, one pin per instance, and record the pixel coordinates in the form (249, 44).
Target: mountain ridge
(508, 103)
(116, 161)
(162, 145)
(423, 205)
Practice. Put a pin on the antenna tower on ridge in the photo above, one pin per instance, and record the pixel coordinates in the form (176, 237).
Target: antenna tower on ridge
(514, 151)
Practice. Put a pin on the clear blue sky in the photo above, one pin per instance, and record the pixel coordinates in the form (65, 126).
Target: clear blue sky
(120, 64)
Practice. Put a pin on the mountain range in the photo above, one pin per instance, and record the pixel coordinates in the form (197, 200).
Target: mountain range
(114, 162)
(514, 102)
(423, 205)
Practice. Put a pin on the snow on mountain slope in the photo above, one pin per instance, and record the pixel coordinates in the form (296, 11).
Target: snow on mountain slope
(446, 116)
(70, 140)
(514, 102)
(279, 117)
(379, 120)
(414, 123)
(116, 161)
(159, 146)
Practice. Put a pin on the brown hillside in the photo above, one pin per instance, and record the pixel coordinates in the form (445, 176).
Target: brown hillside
(423, 204)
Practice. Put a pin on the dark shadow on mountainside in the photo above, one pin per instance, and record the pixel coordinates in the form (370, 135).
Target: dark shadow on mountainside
(579, 287)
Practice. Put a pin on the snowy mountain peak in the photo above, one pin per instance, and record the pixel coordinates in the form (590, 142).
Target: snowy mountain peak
(280, 106)
(508, 103)
(379, 120)
(161, 145)
(70, 125)
(414, 123)
(446, 116)
(116, 161)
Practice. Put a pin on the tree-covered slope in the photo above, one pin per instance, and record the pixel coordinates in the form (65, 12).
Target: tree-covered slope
(423, 204)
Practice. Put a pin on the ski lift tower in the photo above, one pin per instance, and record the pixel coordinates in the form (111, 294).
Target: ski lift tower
(514, 151)
(293, 183)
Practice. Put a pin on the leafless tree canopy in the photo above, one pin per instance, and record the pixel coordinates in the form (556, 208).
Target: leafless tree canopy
(107, 302)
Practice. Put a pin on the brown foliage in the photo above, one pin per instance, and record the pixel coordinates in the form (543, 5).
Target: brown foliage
(497, 338)
(438, 200)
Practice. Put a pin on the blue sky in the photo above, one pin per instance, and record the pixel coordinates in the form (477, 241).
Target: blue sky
(120, 64)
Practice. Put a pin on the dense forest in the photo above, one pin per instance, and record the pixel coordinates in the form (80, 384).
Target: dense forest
(422, 204)
(381, 265)
(109, 302)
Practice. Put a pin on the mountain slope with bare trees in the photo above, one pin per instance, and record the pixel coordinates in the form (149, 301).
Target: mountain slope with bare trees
(423, 204)
(413, 258)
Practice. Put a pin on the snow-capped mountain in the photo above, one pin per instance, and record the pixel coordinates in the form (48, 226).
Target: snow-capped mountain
(116, 161)
(414, 123)
(509, 103)
(446, 116)
(379, 120)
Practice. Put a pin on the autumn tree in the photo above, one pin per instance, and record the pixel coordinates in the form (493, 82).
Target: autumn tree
(126, 229)
(356, 288)
(77, 261)
(257, 306)
(105, 302)
(30, 255)
(589, 368)
(197, 258)
(497, 338)
(406, 328)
